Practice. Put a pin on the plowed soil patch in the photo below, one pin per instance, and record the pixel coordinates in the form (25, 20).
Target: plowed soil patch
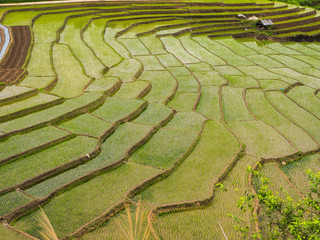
(10, 75)
(11, 65)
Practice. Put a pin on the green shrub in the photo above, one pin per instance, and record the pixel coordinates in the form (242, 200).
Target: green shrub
(282, 218)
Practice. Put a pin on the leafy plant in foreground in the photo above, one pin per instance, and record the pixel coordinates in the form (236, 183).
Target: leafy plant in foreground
(281, 217)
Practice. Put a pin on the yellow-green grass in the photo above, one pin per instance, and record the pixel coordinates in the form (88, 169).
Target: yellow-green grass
(233, 105)
(309, 71)
(305, 97)
(280, 48)
(304, 49)
(179, 71)
(153, 44)
(122, 22)
(118, 225)
(126, 70)
(132, 89)
(154, 114)
(194, 177)
(227, 7)
(111, 229)
(169, 60)
(158, 27)
(115, 109)
(27, 167)
(19, 18)
(103, 84)
(188, 121)
(228, 70)
(72, 80)
(22, 17)
(223, 52)
(198, 51)
(266, 61)
(50, 114)
(296, 171)
(117, 145)
(308, 59)
(264, 111)
(231, 1)
(295, 114)
(164, 148)
(289, 61)
(257, 46)
(113, 149)
(35, 101)
(86, 124)
(170, 30)
(13, 92)
(300, 28)
(183, 101)
(11, 201)
(134, 46)
(259, 73)
(187, 84)
(242, 81)
(46, 26)
(93, 36)
(109, 37)
(260, 139)
(150, 63)
(209, 28)
(71, 36)
(297, 15)
(226, 32)
(202, 66)
(273, 84)
(163, 85)
(37, 82)
(314, 45)
(144, 26)
(9, 234)
(23, 142)
(210, 222)
(236, 47)
(209, 77)
(69, 211)
(175, 47)
(208, 104)
(40, 56)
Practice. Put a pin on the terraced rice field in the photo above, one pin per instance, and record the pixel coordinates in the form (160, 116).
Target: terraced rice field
(107, 104)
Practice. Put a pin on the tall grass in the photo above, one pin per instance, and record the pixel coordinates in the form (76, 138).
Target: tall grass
(134, 226)
(47, 231)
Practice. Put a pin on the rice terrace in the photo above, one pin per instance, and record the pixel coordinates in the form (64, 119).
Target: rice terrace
(114, 110)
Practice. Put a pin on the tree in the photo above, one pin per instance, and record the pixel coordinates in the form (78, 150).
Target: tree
(281, 218)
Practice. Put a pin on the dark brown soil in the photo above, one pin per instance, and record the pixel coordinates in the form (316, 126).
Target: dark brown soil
(11, 65)
(10, 75)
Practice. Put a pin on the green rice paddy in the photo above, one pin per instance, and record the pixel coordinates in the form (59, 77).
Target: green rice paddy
(126, 103)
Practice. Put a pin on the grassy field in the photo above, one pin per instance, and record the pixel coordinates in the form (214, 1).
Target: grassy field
(115, 104)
